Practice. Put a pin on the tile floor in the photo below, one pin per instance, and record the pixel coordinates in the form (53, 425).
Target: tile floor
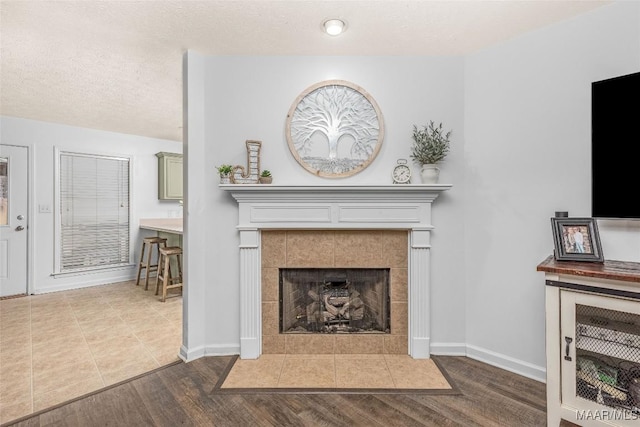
(389, 371)
(57, 346)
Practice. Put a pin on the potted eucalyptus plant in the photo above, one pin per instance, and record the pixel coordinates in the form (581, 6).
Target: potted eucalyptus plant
(225, 173)
(430, 146)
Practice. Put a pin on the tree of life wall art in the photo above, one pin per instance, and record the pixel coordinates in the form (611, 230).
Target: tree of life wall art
(334, 129)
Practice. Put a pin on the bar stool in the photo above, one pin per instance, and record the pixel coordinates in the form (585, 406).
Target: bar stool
(148, 243)
(164, 277)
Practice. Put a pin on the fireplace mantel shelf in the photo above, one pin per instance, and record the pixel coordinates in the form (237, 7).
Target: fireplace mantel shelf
(276, 190)
(335, 207)
(336, 187)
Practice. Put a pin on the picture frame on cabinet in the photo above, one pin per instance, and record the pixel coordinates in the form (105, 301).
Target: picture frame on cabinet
(576, 239)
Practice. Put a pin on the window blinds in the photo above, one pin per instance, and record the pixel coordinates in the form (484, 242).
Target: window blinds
(94, 211)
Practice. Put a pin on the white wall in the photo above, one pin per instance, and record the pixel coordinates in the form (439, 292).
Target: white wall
(527, 154)
(249, 98)
(41, 138)
(520, 114)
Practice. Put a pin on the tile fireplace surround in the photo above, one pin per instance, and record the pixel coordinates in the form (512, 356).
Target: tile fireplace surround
(334, 249)
(340, 218)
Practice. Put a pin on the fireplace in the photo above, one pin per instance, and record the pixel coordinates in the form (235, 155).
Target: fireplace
(279, 215)
(336, 300)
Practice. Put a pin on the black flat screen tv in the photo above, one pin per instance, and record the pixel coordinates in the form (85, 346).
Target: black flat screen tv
(615, 147)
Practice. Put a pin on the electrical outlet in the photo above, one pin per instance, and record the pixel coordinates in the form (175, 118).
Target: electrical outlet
(45, 208)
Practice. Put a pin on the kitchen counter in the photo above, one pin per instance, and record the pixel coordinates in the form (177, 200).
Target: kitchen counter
(166, 225)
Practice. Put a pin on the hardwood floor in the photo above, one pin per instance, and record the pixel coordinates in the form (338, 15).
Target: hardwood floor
(184, 394)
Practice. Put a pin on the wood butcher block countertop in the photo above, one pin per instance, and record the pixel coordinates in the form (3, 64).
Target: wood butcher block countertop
(167, 225)
(611, 270)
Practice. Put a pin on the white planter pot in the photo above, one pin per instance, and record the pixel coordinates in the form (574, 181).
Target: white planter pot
(429, 174)
(225, 179)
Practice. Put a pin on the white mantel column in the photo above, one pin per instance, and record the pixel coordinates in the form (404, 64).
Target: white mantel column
(419, 293)
(250, 297)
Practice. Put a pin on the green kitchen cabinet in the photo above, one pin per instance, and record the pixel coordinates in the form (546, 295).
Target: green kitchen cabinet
(169, 176)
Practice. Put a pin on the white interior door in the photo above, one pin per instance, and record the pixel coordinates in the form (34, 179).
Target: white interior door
(13, 220)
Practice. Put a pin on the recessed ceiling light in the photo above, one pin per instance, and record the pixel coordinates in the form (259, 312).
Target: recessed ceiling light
(334, 27)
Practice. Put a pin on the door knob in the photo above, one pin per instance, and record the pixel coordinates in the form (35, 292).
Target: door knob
(20, 217)
(19, 228)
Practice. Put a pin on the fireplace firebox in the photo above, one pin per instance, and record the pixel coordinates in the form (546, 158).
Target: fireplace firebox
(334, 300)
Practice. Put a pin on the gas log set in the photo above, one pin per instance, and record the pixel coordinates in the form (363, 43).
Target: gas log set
(334, 300)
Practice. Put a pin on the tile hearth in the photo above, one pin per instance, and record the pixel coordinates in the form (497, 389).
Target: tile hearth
(353, 371)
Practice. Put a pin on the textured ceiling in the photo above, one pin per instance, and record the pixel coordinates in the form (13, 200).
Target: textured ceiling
(116, 65)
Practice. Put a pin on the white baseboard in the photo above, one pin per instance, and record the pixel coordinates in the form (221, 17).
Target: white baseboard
(189, 355)
(508, 363)
(498, 360)
(222, 350)
(449, 349)
(85, 284)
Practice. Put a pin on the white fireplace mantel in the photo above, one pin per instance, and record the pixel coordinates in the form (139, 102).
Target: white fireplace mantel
(290, 207)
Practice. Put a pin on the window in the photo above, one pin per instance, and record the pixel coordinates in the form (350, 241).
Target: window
(94, 212)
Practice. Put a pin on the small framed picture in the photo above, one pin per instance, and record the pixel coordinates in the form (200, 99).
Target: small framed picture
(576, 239)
